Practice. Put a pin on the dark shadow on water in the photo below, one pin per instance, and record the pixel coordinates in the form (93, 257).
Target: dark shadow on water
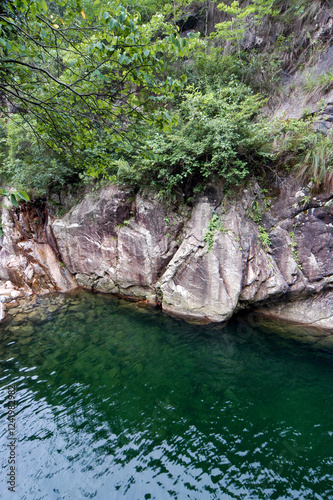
(120, 401)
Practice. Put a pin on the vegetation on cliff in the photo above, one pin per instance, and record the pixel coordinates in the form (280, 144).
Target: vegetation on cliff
(138, 96)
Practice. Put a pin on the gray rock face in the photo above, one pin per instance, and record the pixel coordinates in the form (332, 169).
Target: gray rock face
(86, 236)
(116, 245)
(211, 286)
(302, 242)
(314, 231)
(315, 311)
(134, 246)
(140, 249)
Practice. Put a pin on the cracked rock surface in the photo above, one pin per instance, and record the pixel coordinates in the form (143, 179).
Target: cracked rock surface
(277, 261)
(144, 250)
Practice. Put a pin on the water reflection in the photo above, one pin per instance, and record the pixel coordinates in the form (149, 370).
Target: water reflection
(120, 402)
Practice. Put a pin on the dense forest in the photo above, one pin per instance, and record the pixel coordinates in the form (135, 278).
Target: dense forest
(162, 95)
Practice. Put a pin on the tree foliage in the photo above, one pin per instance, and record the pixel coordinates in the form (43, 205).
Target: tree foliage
(74, 78)
(31, 164)
(242, 17)
(95, 88)
(215, 138)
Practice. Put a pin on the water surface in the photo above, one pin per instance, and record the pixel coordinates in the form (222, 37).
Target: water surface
(115, 402)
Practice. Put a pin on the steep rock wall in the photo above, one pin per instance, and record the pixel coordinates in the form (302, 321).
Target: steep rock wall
(116, 243)
(29, 258)
(138, 248)
(132, 245)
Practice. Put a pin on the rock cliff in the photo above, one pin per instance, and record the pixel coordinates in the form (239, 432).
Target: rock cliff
(272, 255)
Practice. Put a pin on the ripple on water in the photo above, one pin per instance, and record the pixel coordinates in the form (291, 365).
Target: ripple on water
(118, 403)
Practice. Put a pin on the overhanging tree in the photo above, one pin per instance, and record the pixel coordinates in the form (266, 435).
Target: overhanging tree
(78, 80)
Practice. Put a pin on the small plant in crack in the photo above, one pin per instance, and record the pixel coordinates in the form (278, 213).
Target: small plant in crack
(294, 250)
(213, 225)
(264, 237)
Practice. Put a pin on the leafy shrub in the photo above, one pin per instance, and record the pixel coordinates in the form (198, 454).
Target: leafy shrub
(29, 164)
(214, 66)
(216, 137)
(214, 224)
(264, 237)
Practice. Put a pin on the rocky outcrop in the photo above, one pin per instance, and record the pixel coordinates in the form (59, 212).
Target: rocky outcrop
(295, 270)
(310, 92)
(141, 249)
(135, 247)
(212, 285)
(117, 243)
(28, 254)
(132, 245)
(313, 311)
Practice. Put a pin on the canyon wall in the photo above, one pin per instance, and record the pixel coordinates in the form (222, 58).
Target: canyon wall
(204, 263)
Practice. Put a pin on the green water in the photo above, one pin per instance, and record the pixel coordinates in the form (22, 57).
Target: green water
(119, 402)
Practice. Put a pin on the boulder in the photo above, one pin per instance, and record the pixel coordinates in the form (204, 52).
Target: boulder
(118, 243)
(210, 285)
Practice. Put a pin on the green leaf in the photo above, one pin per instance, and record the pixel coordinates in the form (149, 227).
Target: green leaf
(113, 24)
(13, 200)
(43, 5)
(122, 17)
(23, 195)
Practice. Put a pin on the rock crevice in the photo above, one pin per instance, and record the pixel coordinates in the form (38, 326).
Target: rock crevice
(136, 247)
